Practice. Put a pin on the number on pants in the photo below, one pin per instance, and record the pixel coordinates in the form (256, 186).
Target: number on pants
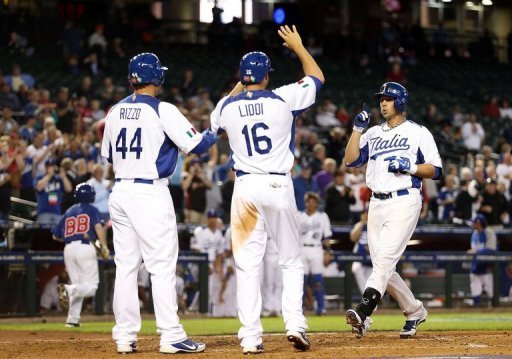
(258, 141)
(136, 139)
(76, 225)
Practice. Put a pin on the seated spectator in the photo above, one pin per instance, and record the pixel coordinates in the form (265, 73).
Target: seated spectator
(50, 187)
(6, 160)
(18, 45)
(31, 108)
(17, 79)
(7, 97)
(326, 113)
(494, 204)
(102, 188)
(395, 74)
(326, 175)
(446, 199)
(303, 183)
(505, 109)
(7, 122)
(338, 198)
(97, 113)
(473, 134)
(491, 109)
(319, 156)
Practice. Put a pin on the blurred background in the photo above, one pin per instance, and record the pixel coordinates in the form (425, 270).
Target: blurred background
(63, 65)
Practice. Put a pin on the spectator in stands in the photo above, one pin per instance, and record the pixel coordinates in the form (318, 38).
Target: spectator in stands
(326, 113)
(7, 122)
(5, 181)
(188, 87)
(118, 48)
(17, 79)
(446, 199)
(92, 64)
(8, 98)
(463, 204)
(68, 198)
(85, 89)
(504, 169)
(491, 109)
(395, 74)
(319, 156)
(432, 116)
(355, 179)
(473, 134)
(65, 112)
(82, 172)
(98, 42)
(97, 113)
(446, 131)
(18, 45)
(338, 198)
(505, 109)
(303, 183)
(483, 241)
(494, 205)
(102, 187)
(71, 40)
(336, 143)
(457, 117)
(49, 190)
(39, 153)
(326, 175)
(195, 184)
(27, 178)
(31, 108)
(106, 92)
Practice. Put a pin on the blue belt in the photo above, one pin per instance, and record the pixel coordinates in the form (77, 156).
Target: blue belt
(242, 173)
(136, 180)
(84, 241)
(401, 192)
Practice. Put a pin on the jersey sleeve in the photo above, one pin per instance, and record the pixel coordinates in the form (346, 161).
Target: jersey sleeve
(178, 128)
(94, 218)
(363, 151)
(215, 118)
(300, 95)
(106, 145)
(428, 149)
(326, 226)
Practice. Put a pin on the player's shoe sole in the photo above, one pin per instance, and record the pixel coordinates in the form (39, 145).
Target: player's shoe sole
(299, 339)
(411, 326)
(258, 349)
(127, 348)
(72, 325)
(359, 327)
(186, 346)
(63, 297)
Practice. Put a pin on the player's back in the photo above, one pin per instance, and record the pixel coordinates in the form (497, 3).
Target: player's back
(259, 127)
(78, 220)
(139, 148)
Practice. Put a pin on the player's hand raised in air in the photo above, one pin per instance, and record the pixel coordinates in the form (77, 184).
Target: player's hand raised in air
(291, 37)
(362, 119)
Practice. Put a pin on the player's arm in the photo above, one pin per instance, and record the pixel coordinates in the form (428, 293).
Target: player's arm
(41, 183)
(101, 233)
(239, 88)
(58, 230)
(68, 187)
(106, 146)
(432, 168)
(293, 41)
(355, 233)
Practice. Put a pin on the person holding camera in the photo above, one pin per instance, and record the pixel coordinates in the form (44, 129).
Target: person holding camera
(195, 184)
(338, 198)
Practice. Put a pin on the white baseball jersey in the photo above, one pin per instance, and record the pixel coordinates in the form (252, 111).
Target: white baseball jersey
(143, 135)
(314, 228)
(207, 241)
(260, 125)
(380, 144)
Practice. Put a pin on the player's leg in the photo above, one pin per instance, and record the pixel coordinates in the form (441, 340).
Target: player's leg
(266, 285)
(358, 272)
(317, 279)
(277, 288)
(249, 239)
(476, 287)
(306, 303)
(127, 259)
(488, 285)
(155, 222)
(72, 267)
(281, 219)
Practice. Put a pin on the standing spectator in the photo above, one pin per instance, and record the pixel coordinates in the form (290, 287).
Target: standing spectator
(473, 134)
(326, 113)
(39, 153)
(463, 204)
(302, 184)
(5, 182)
(68, 198)
(491, 109)
(27, 177)
(319, 156)
(65, 112)
(338, 198)
(49, 189)
(505, 109)
(195, 184)
(28, 130)
(446, 200)
(494, 204)
(102, 188)
(97, 42)
(483, 241)
(326, 175)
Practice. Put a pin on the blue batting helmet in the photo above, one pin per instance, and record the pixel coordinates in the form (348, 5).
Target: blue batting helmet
(146, 68)
(85, 193)
(397, 91)
(480, 218)
(253, 67)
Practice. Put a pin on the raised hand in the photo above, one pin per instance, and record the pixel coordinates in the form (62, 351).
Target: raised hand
(291, 37)
(362, 119)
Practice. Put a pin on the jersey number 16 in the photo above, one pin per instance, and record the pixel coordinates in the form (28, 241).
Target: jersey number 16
(262, 144)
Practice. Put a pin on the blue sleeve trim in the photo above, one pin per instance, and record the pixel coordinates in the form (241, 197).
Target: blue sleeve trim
(438, 172)
(109, 159)
(206, 142)
(318, 83)
(362, 159)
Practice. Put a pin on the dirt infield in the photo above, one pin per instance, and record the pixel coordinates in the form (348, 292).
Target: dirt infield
(327, 345)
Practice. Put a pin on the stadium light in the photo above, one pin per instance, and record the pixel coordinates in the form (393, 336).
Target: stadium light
(487, 2)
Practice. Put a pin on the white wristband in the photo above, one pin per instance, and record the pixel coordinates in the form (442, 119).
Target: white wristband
(358, 129)
(414, 168)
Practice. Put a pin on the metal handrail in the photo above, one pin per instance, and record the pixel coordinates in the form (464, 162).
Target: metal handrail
(23, 201)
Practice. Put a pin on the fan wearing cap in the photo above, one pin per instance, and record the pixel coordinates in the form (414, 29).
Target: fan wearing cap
(50, 188)
(80, 225)
(483, 241)
(209, 239)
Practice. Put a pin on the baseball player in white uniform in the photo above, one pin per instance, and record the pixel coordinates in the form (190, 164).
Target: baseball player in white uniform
(315, 232)
(142, 138)
(260, 127)
(359, 236)
(227, 295)
(209, 239)
(399, 154)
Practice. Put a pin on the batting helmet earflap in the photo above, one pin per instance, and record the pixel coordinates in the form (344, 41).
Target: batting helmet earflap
(397, 91)
(253, 67)
(480, 218)
(146, 68)
(85, 193)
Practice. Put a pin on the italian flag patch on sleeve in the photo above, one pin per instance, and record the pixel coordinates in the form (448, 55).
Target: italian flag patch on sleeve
(191, 132)
(303, 83)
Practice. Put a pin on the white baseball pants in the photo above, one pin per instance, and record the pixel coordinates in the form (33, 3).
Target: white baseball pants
(480, 282)
(144, 225)
(265, 204)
